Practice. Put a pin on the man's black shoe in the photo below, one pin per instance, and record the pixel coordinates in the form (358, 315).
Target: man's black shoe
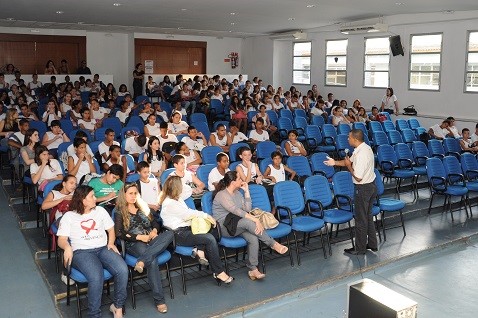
(352, 251)
(373, 249)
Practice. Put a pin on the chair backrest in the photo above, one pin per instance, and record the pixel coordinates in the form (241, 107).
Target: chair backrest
(403, 152)
(136, 121)
(394, 137)
(342, 145)
(204, 128)
(49, 187)
(420, 152)
(124, 130)
(284, 125)
(97, 166)
(100, 133)
(286, 113)
(361, 126)
(401, 124)
(380, 138)
(300, 113)
(469, 165)
(452, 166)
(329, 133)
(130, 162)
(141, 99)
(379, 183)
(259, 197)
(196, 118)
(264, 149)
(233, 155)
(264, 163)
(342, 184)
(388, 125)
(94, 145)
(300, 123)
(190, 203)
(413, 123)
(386, 153)
(165, 175)
(408, 135)
(206, 202)
(40, 126)
(313, 135)
(435, 148)
(115, 124)
(66, 125)
(300, 165)
(250, 115)
(289, 194)
(132, 177)
(318, 165)
(318, 121)
(73, 133)
(273, 117)
(318, 188)
(452, 147)
(166, 106)
(435, 168)
(343, 129)
(209, 153)
(233, 165)
(375, 126)
(203, 172)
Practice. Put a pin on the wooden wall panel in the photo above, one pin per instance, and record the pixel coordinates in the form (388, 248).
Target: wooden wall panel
(172, 57)
(29, 53)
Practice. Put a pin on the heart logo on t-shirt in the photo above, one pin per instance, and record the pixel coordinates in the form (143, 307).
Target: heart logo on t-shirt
(88, 225)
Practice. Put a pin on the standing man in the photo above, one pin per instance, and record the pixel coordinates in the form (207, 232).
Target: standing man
(361, 166)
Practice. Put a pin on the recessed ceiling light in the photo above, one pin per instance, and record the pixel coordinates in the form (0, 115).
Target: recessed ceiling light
(10, 19)
(80, 22)
(184, 9)
(230, 31)
(232, 23)
(448, 11)
(291, 19)
(116, 4)
(310, 5)
(60, 12)
(180, 28)
(399, 3)
(232, 13)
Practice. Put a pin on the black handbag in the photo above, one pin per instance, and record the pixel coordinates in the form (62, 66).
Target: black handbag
(230, 223)
(410, 110)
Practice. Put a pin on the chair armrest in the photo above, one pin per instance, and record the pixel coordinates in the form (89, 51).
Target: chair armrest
(405, 163)
(315, 172)
(312, 142)
(454, 153)
(347, 198)
(329, 140)
(420, 159)
(387, 166)
(438, 155)
(455, 178)
(309, 209)
(438, 183)
(289, 213)
(471, 174)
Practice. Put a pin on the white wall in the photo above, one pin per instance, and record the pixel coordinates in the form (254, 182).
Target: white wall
(258, 58)
(450, 100)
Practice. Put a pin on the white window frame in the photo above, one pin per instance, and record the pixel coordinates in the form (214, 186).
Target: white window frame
(376, 71)
(465, 87)
(335, 55)
(425, 72)
(302, 70)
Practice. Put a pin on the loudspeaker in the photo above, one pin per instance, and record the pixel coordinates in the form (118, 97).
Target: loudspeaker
(396, 45)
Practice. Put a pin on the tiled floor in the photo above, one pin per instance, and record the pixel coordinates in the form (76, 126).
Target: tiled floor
(414, 265)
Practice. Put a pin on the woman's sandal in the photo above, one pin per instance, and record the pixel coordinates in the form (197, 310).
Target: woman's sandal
(162, 308)
(255, 274)
(202, 260)
(281, 250)
(138, 268)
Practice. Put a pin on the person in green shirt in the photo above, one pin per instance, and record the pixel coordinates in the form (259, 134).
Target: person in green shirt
(107, 186)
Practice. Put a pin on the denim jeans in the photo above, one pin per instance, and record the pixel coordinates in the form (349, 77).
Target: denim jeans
(148, 254)
(206, 242)
(91, 262)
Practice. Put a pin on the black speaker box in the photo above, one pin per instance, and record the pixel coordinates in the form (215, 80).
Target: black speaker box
(396, 45)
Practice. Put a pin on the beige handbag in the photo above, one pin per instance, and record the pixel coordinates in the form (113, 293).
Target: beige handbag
(267, 219)
(200, 225)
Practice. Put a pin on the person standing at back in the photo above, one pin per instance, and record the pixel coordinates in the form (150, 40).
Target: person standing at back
(361, 166)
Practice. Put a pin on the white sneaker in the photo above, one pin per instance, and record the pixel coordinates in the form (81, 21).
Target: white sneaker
(64, 279)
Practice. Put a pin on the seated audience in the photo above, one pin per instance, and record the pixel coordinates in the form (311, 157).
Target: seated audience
(135, 145)
(293, 147)
(53, 138)
(80, 163)
(51, 113)
(258, 134)
(441, 131)
(177, 216)
(27, 152)
(275, 171)
(176, 125)
(467, 143)
(91, 253)
(228, 199)
(116, 158)
(104, 146)
(219, 171)
(152, 127)
(16, 141)
(188, 179)
(107, 186)
(44, 169)
(195, 140)
(148, 186)
(155, 157)
(220, 138)
(339, 117)
(143, 238)
(193, 158)
(453, 129)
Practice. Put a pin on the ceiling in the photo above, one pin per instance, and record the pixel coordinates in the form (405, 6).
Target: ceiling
(233, 18)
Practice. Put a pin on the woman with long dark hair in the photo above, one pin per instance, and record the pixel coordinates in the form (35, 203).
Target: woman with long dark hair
(154, 156)
(228, 199)
(86, 235)
(136, 225)
(138, 77)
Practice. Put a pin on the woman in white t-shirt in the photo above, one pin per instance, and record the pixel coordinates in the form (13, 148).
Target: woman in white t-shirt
(193, 158)
(176, 125)
(247, 170)
(276, 103)
(66, 104)
(219, 171)
(294, 147)
(86, 235)
(187, 178)
(52, 112)
(152, 127)
(44, 170)
(86, 122)
(80, 163)
(389, 102)
(154, 156)
(60, 196)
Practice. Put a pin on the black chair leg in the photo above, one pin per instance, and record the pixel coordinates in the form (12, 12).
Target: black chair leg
(431, 201)
(297, 249)
(383, 226)
(403, 223)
